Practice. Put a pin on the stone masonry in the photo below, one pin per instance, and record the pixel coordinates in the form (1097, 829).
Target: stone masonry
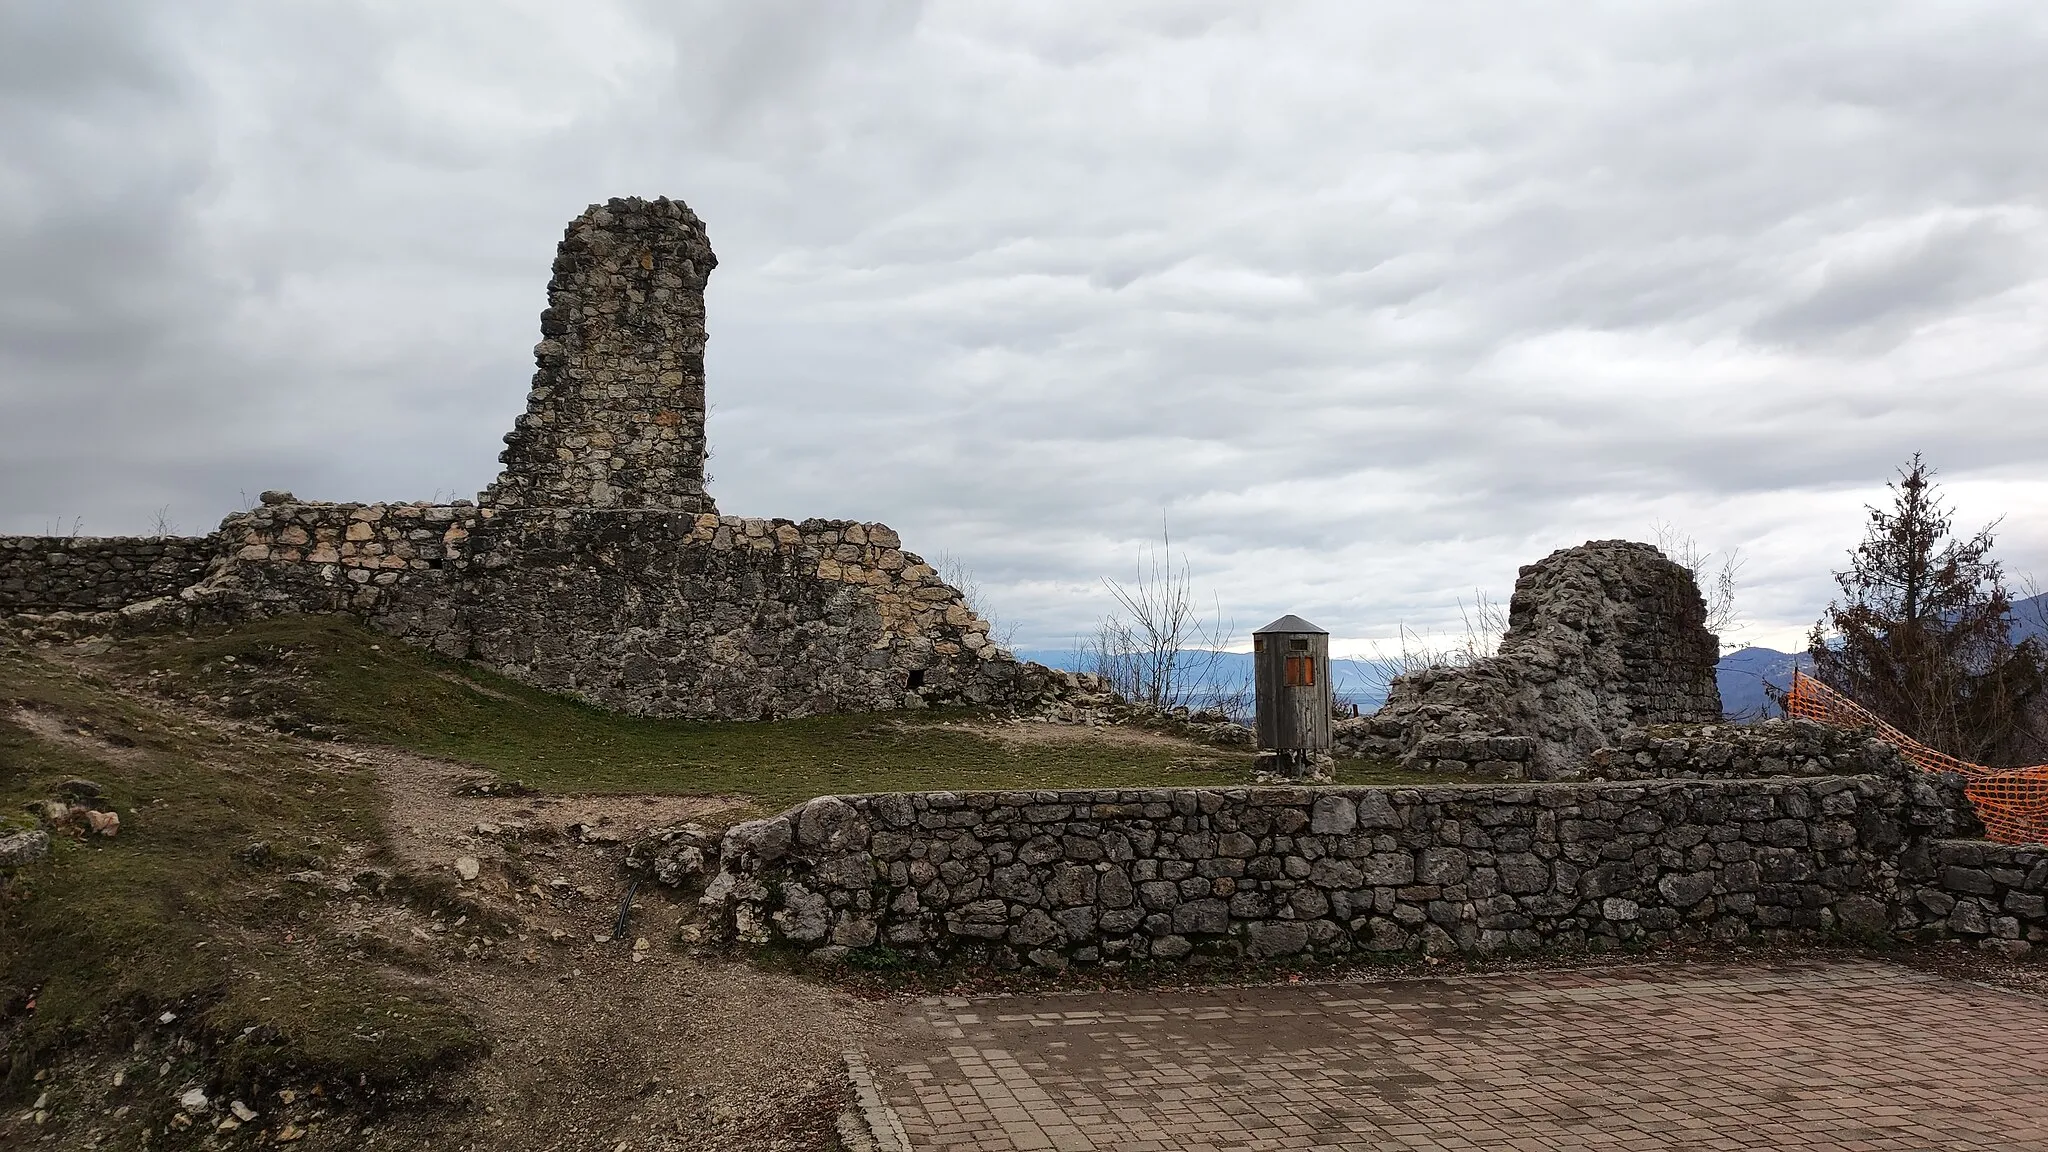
(1051, 878)
(97, 574)
(596, 564)
(1992, 895)
(1602, 639)
(650, 612)
(1743, 751)
(616, 415)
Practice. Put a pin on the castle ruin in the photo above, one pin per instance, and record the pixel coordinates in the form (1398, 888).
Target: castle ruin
(596, 564)
(616, 415)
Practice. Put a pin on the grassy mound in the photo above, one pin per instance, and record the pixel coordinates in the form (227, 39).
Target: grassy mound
(324, 675)
(174, 914)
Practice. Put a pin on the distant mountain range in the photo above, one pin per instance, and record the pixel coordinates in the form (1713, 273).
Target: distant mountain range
(1741, 674)
(1221, 674)
(1744, 673)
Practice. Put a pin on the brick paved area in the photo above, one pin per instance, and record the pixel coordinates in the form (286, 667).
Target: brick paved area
(1822, 1056)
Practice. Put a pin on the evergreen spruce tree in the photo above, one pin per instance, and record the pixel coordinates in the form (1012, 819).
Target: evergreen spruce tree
(1922, 635)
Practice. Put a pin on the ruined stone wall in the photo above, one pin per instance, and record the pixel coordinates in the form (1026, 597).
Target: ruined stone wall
(1602, 639)
(596, 565)
(96, 574)
(1058, 877)
(1745, 751)
(615, 418)
(1992, 895)
(655, 613)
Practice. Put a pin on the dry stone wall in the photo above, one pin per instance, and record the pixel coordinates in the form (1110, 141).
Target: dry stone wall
(656, 613)
(97, 574)
(1744, 751)
(1051, 878)
(1992, 895)
(1602, 639)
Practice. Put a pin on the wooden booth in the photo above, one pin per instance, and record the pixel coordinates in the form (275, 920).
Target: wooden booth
(1291, 676)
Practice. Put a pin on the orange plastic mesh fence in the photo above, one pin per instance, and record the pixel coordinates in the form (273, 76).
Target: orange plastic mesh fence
(2012, 802)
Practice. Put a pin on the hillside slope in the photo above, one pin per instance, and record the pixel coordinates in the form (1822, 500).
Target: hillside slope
(328, 901)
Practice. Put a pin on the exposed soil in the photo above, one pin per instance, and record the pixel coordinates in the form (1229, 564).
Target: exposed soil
(641, 1040)
(432, 819)
(53, 728)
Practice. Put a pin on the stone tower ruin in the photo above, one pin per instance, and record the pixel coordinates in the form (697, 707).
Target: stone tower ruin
(615, 418)
(1602, 639)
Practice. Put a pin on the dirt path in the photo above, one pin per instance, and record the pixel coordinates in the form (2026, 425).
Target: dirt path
(598, 1042)
(640, 1042)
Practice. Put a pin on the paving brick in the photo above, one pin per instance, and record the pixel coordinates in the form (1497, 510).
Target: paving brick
(1819, 1056)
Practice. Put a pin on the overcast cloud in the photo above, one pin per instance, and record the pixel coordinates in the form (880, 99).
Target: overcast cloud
(1370, 303)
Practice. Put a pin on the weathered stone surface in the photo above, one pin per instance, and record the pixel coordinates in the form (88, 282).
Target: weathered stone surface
(615, 418)
(1333, 814)
(1992, 895)
(1743, 751)
(19, 848)
(675, 855)
(1446, 868)
(804, 916)
(765, 840)
(98, 574)
(1602, 639)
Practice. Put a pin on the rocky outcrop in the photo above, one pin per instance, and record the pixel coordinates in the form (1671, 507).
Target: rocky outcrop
(1602, 639)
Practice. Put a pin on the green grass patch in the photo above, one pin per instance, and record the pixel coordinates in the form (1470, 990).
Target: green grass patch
(106, 934)
(323, 674)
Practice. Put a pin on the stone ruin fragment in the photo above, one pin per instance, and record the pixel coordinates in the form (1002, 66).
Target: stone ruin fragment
(596, 565)
(1602, 640)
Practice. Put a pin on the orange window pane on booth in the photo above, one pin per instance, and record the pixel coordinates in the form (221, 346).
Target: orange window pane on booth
(1301, 671)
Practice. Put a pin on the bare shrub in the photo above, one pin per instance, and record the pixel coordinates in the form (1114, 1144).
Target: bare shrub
(954, 571)
(1717, 581)
(1158, 647)
(1484, 620)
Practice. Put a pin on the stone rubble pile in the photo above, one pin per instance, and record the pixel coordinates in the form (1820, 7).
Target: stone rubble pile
(1084, 699)
(675, 855)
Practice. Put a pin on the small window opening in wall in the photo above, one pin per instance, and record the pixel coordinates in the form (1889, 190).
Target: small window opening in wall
(1301, 671)
(917, 677)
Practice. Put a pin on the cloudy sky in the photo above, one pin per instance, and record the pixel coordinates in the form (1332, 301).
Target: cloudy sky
(1369, 303)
